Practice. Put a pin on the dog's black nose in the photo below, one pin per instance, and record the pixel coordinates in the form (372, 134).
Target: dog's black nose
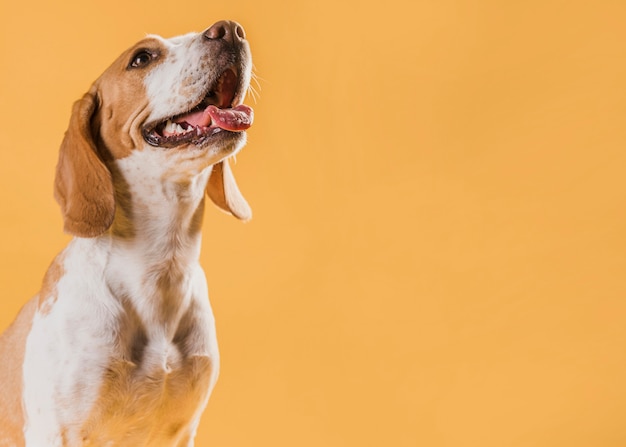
(227, 30)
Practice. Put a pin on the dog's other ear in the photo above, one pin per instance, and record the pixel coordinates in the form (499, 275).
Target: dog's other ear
(224, 192)
(83, 186)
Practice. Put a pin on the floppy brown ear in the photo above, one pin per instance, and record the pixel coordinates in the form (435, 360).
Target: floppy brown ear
(83, 186)
(224, 192)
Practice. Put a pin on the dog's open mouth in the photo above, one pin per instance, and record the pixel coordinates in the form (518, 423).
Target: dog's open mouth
(215, 113)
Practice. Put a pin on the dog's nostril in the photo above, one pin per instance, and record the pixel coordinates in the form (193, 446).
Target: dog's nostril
(217, 31)
(239, 31)
(226, 30)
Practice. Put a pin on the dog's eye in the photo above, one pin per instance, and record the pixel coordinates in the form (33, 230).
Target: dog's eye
(141, 59)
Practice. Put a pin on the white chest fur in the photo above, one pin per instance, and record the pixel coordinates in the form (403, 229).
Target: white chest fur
(120, 379)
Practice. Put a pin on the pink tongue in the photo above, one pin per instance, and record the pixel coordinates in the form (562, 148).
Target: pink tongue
(236, 119)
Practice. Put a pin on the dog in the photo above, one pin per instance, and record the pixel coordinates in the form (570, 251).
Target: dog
(119, 347)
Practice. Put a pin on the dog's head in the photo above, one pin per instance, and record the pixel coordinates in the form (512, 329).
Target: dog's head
(181, 98)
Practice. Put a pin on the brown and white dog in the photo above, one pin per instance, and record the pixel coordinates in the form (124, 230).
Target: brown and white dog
(119, 348)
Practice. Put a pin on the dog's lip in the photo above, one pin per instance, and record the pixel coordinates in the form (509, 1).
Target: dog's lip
(220, 109)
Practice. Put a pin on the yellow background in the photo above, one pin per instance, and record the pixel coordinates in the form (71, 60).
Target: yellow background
(438, 249)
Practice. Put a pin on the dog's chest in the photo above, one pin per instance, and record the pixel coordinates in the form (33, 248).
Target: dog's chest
(155, 384)
(131, 390)
(138, 362)
(150, 405)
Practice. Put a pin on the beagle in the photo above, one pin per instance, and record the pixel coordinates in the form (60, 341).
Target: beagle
(119, 347)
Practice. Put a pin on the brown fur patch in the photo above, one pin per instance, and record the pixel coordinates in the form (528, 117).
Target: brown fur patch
(49, 294)
(82, 184)
(12, 347)
(123, 226)
(124, 104)
(158, 397)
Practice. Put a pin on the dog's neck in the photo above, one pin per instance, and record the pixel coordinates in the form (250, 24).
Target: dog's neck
(159, 217)
(155, 240)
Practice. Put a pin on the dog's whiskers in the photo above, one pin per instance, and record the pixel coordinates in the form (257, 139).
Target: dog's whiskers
(255, 92)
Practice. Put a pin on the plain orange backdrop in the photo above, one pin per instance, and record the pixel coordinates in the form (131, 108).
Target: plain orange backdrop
(438, 251)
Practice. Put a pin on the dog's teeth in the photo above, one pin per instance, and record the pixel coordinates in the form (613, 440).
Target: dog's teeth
(198, 131)
(179, 128)
(170, 127)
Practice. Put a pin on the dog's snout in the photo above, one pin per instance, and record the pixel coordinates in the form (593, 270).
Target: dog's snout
(229, 31)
